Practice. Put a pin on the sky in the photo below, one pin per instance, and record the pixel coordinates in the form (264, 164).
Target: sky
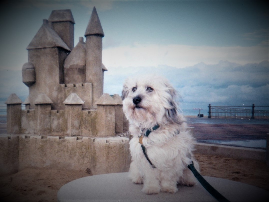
(213, 51)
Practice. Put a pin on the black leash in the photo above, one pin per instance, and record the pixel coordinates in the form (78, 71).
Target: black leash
(199, 177)
(145, 154)
(144, 148)
(206, 185)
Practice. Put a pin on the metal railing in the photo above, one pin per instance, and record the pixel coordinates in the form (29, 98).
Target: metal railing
(251, 112)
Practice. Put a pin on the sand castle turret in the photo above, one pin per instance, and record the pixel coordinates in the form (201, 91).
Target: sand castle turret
(43, 114)
(75, 64)
(62, 22)
(94, 74)
(13, 114)
(46, 52)
(105, 123)
(73, 107)
(28, 74)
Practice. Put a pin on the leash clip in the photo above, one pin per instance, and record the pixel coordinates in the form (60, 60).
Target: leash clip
(141, 139)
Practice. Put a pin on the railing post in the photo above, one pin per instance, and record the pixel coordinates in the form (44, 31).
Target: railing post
(209, 111)
(267, 149)
(252, 112)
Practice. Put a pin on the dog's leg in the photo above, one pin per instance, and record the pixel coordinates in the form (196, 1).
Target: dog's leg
(188, 178)
(168, 182)
(151, 182)
(134, 174)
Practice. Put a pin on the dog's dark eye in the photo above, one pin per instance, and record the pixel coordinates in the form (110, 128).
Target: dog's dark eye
(134, 89)
(149, 89)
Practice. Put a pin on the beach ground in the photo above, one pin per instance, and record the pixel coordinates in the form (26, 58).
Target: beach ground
(229, 129)
(41, 185)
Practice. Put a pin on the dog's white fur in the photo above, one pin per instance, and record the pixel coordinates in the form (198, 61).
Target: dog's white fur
(169, 147)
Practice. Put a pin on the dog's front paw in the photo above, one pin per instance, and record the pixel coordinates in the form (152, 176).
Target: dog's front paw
(169, 189)
(151, 189)
(189, 183)
(187, 179)
(137, 180)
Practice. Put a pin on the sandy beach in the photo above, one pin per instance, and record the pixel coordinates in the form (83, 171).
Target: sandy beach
(42, 185)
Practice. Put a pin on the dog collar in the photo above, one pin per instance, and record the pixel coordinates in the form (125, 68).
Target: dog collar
(148, 132)
(152, 129)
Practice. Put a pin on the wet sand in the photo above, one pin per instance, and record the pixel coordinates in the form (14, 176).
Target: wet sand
(229, 129)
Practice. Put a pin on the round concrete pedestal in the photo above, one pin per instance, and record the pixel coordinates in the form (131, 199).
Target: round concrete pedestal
(117, 187)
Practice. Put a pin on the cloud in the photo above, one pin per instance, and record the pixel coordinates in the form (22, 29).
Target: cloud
(46, 4)
(257, 34)
(231, 95)
(110, 42)
(265, 43)
(180, 56)
(223, 83)
(101, 5)
(226, 73)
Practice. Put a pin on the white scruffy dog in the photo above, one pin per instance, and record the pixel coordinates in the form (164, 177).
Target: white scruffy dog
(150, 101)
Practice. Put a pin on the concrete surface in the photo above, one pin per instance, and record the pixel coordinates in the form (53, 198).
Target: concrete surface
(117, 187)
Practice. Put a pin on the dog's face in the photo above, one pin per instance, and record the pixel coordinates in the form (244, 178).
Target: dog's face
(149, 100)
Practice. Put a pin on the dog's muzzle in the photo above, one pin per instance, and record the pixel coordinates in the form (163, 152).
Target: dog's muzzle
(137, 100)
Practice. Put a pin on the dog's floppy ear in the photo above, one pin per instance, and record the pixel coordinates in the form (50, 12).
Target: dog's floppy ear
(171, 113)
(124, 92)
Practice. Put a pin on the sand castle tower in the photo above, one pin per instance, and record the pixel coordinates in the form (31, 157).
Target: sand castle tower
(66, 108)
(56, 69)
(53, 60)
(94, 74)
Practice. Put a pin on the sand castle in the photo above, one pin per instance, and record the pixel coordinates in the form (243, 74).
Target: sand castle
(67, 122)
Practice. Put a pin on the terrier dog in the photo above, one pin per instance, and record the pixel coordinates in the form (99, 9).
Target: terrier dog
(149, 103)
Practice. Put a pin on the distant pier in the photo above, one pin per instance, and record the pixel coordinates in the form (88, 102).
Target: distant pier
(251, 112)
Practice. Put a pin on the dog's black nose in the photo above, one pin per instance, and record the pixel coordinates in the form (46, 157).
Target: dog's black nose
(137, 100)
